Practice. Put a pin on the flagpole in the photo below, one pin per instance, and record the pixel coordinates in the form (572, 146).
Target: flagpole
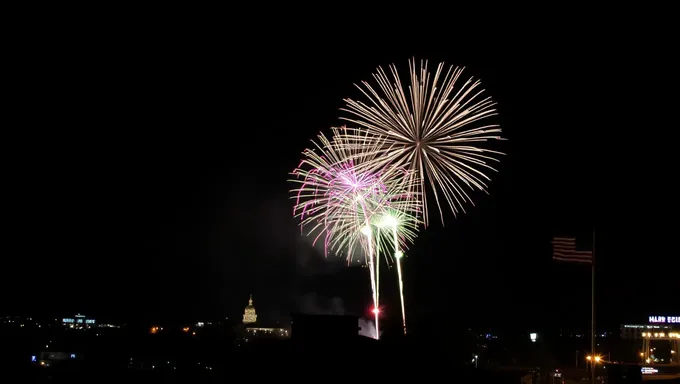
(592, 316)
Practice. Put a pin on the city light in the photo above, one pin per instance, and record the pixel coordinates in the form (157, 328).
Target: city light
(661, 335)
(648, 370)
(597, 358)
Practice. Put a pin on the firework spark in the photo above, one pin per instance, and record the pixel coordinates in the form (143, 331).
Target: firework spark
(434, 130)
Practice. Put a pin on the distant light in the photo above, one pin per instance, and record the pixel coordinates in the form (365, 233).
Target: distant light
(533, 337)
(648, 370)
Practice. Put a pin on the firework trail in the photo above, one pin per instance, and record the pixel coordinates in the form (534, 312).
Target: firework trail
(343, 190)
(397, 229)
(394, 226)
(332, 200)
(434, 129)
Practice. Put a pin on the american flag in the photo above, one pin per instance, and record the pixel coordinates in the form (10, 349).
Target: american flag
(564, 249)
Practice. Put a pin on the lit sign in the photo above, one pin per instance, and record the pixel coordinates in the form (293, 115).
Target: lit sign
(89, 321)
(66, 320)
(648, 370)
(33, 358)
(665, 319)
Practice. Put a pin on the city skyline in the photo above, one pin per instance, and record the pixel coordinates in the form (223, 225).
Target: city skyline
(177, 201)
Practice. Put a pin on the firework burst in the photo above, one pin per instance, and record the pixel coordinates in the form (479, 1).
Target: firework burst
(433, 130)
(341, 191)
(344, 195)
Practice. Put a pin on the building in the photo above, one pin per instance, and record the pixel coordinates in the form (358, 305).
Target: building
(270, 333)
(48, 359)
(78, 322)
(249, 315)
(659, 331)
(634, 331)
(655, 324)
(248, 331)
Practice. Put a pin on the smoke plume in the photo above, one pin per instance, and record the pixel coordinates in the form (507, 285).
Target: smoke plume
(313, 304)
(367, 328)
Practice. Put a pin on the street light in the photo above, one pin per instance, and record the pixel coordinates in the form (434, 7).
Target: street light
(597, 358)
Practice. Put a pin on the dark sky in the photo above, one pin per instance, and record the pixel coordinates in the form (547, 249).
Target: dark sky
(145, 175)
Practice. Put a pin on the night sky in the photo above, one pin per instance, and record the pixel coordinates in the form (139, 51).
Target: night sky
(145, 176)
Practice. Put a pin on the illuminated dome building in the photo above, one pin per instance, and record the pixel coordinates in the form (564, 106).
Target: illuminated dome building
(248, 331)
(249, 315)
